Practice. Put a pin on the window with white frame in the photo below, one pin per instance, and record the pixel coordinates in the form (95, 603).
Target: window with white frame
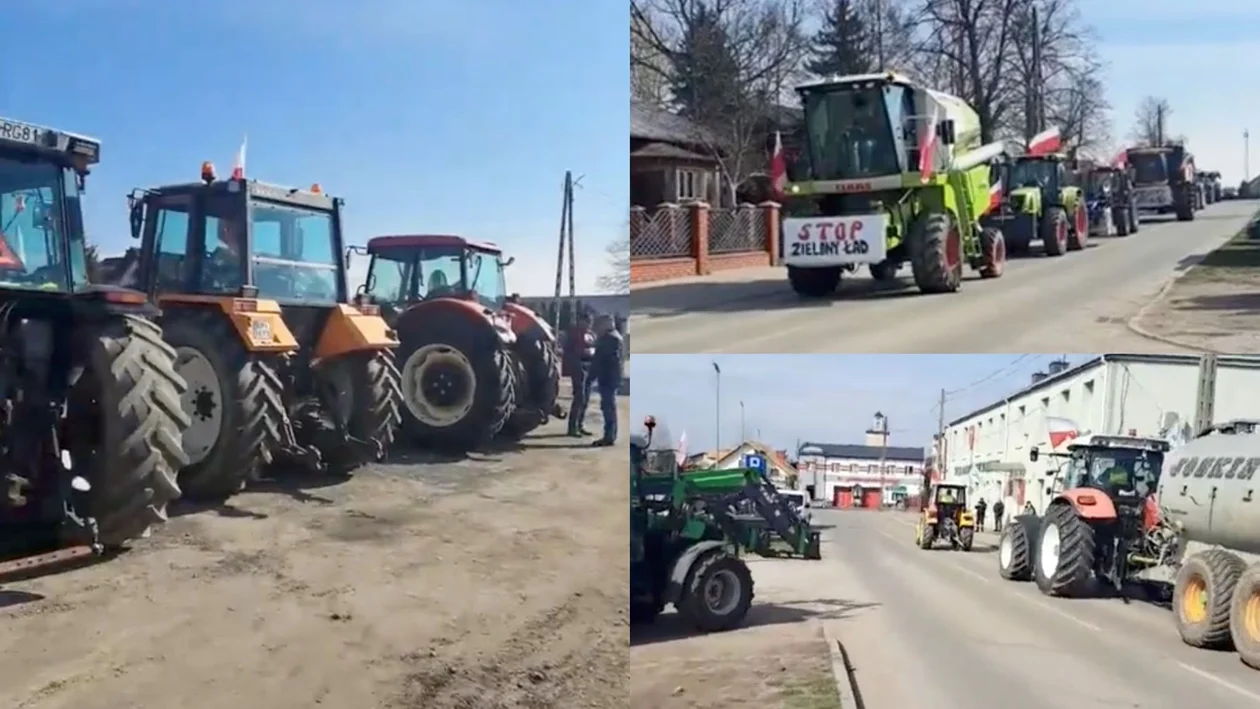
(689, 185)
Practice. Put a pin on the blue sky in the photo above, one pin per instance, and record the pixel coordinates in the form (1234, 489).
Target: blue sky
(426, 117)
(821, 398)
(1201, 56)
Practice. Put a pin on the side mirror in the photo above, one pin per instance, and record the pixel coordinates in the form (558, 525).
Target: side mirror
(1033, 454)
(511, 260)
(136, 215)
(945, 130)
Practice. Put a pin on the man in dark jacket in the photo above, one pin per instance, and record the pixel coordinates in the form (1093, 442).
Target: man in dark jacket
(579, 351)
(981, 508)
(998, 508)
(607, 370)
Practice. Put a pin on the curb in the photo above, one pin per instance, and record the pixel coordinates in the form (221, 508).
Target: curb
(844, 672)
(1160, 296)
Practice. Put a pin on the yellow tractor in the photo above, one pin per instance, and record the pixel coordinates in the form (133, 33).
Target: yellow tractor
(278, 359)
(946, 519)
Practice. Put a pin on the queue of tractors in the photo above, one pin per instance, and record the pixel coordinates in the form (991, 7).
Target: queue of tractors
(226, 343)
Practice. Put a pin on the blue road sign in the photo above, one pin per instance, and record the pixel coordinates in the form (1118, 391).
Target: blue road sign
(753, 461)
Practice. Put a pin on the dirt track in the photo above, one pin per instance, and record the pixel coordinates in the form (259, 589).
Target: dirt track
(493, 582)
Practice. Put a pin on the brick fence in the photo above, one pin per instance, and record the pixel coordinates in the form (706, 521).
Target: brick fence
(694, 239)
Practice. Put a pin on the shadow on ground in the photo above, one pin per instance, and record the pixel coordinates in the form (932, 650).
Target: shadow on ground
(670, 626)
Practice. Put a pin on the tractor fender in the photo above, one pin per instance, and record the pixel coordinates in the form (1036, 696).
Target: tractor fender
(258, 321)
(348, 329)
(682, 566)
(1092, 505)
(523, 319)
(495, 328)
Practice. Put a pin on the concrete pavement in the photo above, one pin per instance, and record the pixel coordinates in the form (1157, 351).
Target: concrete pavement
(1080, 302)
(941, 629)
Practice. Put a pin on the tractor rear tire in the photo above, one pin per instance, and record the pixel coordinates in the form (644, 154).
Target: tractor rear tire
(966, 538)
(935, 241)
(1121, 219)
(250, 398)
(1073, 568)
(731, 574)
(1135, 220)
(928, 537)
(814, 282)
(1183, 206)
(993, 251)
(375, 409)
(1015, 552)
(1054, 231)
(539, 383)
(1214, 574)
(130, 395)
(471, 355)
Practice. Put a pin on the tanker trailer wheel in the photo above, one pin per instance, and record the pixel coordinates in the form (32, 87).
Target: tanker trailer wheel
(456, 381)
(718, 593)
(235, 399)
(993, 253)
(1015, 551)
(124, 425)
(1078, 234)
(814, 282)
(936, 253)
(1065, 553)
(1244, 617)
(1054, 231)
(539, 383)
(366, 396)
(1202, 595)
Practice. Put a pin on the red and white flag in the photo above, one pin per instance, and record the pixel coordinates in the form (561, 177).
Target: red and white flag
(1061, 430)
(238, 165)
(927, 147)
(681, 453)
(1046, 142)
(778, 167)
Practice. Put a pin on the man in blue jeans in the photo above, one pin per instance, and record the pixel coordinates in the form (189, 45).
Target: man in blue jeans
(579, 350)
(606, 368)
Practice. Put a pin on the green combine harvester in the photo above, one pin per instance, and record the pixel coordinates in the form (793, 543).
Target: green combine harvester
(890, 172)
(688, 529)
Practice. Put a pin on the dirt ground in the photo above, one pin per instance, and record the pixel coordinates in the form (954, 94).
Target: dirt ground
(1215, 305)
(778, 660)
(492, 582)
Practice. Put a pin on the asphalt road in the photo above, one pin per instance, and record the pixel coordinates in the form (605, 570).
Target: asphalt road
(941, 629)
(1079, 302)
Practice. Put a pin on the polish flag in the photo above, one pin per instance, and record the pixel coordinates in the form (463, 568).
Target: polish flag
(995, 195)
(927, 148)
(1121, 159)
(238, 165)
(778, 167)
(1061, 430)
(1045, 143)
(681, 454)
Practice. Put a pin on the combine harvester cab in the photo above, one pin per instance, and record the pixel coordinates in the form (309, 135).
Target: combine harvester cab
(891, 172)
(687, 530)
(251, 283)
(1163, 180)
(89, 443)
(1109, 196)
(1041, 199)
(475, 362)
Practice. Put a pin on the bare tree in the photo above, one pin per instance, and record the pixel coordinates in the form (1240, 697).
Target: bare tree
(1150, 122)
(617, 278)
(649, 74)
(728, 62)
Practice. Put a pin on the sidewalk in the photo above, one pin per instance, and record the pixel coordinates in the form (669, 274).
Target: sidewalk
(660, 298)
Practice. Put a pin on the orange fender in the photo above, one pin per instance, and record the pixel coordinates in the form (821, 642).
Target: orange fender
(1090, 504)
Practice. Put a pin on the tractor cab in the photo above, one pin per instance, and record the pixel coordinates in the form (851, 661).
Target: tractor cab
(1116, 465)
(408, 269)
(1047, 174)
(238, 237)
(42, 175)
(948, 500)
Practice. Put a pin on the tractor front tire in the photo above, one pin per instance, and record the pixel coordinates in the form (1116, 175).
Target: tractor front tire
(471, 363)
(993, 253)
(128, 439)
(1054, 231)
(1202, 595)
(935, 246)
(717, 593)
(814, 282)
(246, 389)
(374, 411)
(1069, 572)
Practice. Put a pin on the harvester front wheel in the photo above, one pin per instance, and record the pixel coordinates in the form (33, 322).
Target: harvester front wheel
(936, 253)
(539, 382)
(1054, 231)
(993, 253)
(717, 594)
(1202, 594)
(124, 427)
(368, 401)
(1065, 553)
(235, 399)
(814, 282)
(457, 383)
(1015, 552)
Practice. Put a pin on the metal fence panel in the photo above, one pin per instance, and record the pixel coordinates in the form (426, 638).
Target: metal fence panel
(740, 229)
(663, 232)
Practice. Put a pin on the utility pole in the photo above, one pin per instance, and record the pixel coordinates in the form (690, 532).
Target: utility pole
(717, 409)
(883, 457)
(1246, 156)
(1159, 124)
(1205, 404)
(566, 236)
(743, 432)
(1034, 103)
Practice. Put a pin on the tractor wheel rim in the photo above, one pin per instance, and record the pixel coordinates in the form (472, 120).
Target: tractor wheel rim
(997, 257)
(1006, 551)
(1251, 617)
(202, 401)
(439, 385)
(1048, 553)
(722, 592)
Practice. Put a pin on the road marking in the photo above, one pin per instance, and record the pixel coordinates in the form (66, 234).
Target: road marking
(1219, 681)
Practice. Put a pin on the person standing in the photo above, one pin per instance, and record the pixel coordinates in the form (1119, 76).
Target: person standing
(606, 368)
(998, 508)
(579, 351)
(981, 508)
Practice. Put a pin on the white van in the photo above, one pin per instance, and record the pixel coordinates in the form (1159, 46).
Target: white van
(798, 501)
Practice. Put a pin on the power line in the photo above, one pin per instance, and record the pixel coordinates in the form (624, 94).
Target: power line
(989, 377)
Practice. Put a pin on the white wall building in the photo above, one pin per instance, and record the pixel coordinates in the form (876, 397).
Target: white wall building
(1121, 394)
(781, 473)
(850, 475)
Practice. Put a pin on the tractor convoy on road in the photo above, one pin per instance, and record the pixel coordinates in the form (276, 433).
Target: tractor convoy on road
(226, 343)
(892, 173)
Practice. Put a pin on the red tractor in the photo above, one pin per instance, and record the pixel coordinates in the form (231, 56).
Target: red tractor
(475, 363)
